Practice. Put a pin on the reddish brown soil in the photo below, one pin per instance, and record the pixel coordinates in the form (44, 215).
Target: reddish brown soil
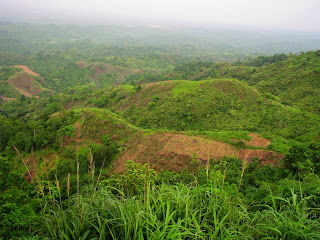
(82, 64)
(108, 68)
(174, 152)
(25, 84)
(26, 70)
(257, 141)
(7, 99)
(32, 164)
(77, 127)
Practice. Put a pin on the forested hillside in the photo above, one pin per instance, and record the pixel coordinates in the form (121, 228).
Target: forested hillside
(164, 135)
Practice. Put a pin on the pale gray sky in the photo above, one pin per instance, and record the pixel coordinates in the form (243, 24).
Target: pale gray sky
(277, 14)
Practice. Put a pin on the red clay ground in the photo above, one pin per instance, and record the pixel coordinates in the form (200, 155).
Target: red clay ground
(25, 84)
(82, 64)
(99, 68)
(26, 70)
(7, 99)
(257, 141)
(174, 152)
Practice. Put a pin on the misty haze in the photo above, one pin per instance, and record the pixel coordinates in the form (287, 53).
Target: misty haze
(172, 119)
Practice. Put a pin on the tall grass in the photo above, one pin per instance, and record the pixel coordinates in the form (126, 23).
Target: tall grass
(213, 210)
(180, 212)
(290, 218)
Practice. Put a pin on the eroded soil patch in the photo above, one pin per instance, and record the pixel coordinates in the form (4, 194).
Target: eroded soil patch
(174, 152)
(26, 70)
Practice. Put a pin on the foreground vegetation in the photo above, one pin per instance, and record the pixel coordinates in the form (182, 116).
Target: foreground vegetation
(224, 200)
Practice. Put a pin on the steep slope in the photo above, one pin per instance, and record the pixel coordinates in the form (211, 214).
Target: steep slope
(26, 70)
(14, 82)
(25, 85)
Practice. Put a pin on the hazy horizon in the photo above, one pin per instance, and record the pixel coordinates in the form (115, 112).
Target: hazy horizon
(275, 15)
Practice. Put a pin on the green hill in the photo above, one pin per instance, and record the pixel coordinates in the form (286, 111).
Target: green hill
(210, 105)
(290, 79)
(296, 81)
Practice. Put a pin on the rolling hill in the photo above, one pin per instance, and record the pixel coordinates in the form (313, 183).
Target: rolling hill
(209, 105)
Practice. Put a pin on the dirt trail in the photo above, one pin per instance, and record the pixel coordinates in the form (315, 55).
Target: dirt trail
(26, 70)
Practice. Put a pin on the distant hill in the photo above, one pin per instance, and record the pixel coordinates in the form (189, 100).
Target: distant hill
(296, 81)
(290, 79)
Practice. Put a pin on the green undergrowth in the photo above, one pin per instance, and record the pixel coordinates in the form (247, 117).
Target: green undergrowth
(183, 86)
(282, 145)
(224, 200)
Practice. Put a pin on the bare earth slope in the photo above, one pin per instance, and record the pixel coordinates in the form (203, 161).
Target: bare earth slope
(25, 84)
(175, 151)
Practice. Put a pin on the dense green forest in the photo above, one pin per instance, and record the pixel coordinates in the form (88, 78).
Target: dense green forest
(144, 134)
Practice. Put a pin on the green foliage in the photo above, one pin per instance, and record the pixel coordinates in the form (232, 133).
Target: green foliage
(293, 80)
(101, 101)
(18, 203)
(69, 131)
(8, 178)
(264, 60)
(226, 105)
(18, 214)
(211, 210)
(105, 153)
(304, 158)
(7, 90)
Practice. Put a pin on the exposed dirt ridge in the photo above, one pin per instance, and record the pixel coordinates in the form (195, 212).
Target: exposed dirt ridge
(257, 141)
(6, 99)
(25, 84)
(171, 151)
(26, 70)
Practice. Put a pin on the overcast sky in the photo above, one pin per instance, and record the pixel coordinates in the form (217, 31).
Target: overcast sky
(277, 14)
